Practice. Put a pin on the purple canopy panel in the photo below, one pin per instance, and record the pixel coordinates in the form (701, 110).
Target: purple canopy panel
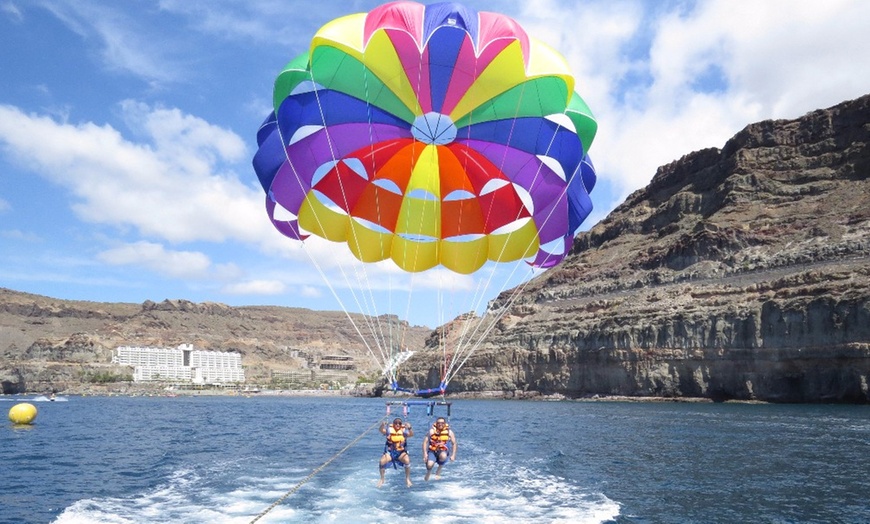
(287, 228)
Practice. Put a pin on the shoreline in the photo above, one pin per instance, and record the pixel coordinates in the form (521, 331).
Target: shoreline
(163, 391)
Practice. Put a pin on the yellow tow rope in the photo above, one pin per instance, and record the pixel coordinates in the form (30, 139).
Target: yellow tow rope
(316, 470)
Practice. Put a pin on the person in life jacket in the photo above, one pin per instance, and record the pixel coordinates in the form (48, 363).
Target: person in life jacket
(439, 444)
(395, 448)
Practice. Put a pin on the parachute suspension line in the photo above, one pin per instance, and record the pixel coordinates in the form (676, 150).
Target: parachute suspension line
(443, 339)
(313, 261)
(418, 109)
(448, 354)
(517, 291)
(402, 353)
(489, 327)
(460, 344)
(386, 341)
(443, 306)
(318, 469)
(478, 337)
(469, 341)
(394, 384)
(497, 317)
(413, 276)
(365, 309)
(476, 340)
(476, 332)
(452, 347)
(341, 303)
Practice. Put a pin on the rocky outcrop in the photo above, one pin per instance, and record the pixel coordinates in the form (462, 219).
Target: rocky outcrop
(740, 273)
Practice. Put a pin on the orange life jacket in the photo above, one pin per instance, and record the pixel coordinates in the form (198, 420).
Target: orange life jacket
(438, 439)
(396, 439)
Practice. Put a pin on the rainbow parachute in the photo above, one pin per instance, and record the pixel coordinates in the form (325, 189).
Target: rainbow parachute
(429, 135)
(433, 136)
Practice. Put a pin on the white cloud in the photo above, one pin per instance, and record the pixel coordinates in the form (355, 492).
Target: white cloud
(12, 11)
(175, 134)
(310, 292)
(664, 80)
(256, 287)
(156, 258)
(177, 185)
(123, 44)
(263, 21)
(17, 234)
(781, 58)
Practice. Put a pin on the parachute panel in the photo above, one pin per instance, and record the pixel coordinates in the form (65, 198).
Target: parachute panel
(368, 245)
(418, 219)
(321, 220)
(414, 256)
(514, 245)
(464, 257)
(504, 72)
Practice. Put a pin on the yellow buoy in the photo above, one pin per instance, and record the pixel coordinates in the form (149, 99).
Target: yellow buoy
(23, 413)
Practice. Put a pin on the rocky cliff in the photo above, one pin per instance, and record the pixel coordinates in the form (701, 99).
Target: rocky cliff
(738, 273)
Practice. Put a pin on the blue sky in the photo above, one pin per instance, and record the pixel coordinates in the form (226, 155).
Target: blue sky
(127, 128)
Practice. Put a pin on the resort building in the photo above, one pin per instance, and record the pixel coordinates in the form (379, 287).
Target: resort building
(341, 362)
(181, 364)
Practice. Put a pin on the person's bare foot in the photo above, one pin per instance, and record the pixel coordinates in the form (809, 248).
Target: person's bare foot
(428, 472)
(380, 482)
(408, 482)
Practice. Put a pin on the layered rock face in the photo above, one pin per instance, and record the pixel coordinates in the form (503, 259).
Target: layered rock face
(740, 273)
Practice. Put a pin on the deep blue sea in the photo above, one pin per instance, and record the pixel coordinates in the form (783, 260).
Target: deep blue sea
(228, 459)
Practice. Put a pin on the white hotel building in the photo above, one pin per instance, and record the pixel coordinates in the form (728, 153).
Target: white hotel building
(182, 364)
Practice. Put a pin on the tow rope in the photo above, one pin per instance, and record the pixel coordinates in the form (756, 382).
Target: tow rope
(316, 470)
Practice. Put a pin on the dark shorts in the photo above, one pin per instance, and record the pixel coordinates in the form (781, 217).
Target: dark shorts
(436, 455)
(396, 457)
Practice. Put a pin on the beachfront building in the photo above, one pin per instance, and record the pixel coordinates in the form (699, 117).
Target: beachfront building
(181, 364)
(339, 362)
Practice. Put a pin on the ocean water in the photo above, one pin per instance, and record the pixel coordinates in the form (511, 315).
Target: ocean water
(230, 459)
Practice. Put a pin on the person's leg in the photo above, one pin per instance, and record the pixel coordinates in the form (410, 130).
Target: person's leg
(406, 460)
(382, 466)
(429, 464)
(442, 458)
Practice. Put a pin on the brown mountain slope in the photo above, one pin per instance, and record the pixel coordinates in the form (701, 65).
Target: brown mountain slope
(737, 273)
(47, 343)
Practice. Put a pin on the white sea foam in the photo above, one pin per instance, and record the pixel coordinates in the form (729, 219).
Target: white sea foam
(487, 487)
(43, 398)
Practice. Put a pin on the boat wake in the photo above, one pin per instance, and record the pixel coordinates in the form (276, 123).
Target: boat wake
(486, 487)
(43, 398)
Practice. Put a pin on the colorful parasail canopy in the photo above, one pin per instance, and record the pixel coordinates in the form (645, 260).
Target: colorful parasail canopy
(429, 135)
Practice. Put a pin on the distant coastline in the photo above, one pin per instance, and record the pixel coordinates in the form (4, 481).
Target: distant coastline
(155, 390)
